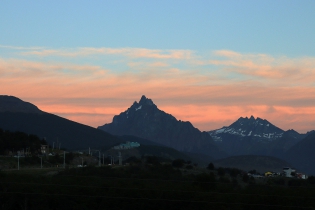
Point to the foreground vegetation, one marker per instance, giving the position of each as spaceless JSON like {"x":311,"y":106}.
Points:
{"x":11,"y":142}
{"x":148,"y":184}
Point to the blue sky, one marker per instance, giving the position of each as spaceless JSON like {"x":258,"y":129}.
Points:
{"x":273,"y":27}
{"x":225,"y":58}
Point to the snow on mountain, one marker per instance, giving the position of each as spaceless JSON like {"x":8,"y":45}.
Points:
{"x":255,"y":128}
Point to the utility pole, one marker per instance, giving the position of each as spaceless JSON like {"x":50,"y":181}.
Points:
{"x":64,"y":159}
{"x":18,"y":160}
{"x":41,"y":162}
{"x":99,"y":158}
{"x":120,"y":158}
{"x":110,"y":159}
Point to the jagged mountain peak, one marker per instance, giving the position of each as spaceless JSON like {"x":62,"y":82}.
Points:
{"x":143,"y":119}
{"x":257,"y":122}
{"x":145,"y":101}
{"x":14,"y":104}
{"x":251,"y":118}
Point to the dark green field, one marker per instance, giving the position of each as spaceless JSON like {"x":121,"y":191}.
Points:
{"x":150,"y":185}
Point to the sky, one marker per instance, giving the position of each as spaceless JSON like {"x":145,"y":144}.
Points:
{"x":207,"y":62}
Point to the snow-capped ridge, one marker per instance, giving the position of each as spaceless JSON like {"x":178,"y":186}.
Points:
{"x":257,"y":128}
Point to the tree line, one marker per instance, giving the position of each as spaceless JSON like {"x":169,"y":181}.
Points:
{"x":11,"y":142}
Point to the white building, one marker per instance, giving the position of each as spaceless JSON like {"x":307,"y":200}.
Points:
{"x":287,"y":171}
{"x":127,"y":145}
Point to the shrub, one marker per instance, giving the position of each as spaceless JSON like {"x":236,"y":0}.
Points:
{"x":210,"y":166}
{"x":178,"y":163}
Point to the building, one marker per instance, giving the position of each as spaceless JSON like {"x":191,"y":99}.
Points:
{"x":44,"y":149}
{"x":127,"y":145}
{"x":288,"y":172}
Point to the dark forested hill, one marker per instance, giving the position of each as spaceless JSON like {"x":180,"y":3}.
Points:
{"x":17,"y":115}
{"x":261,"y":164}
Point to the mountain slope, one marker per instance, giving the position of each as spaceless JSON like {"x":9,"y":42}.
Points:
{"x":261,"y":164}
{"x":17,"y":115}
{"x":13,"y":104}
{"x":145,"y":120}
{"x":302,"y":154}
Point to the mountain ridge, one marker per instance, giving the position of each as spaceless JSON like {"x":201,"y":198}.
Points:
{"x":14,"y":104}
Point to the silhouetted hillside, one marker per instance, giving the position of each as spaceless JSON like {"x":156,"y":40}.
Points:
{"x":302,"y":154}
{"x":250,"y":162}
{"x":17,"y":115}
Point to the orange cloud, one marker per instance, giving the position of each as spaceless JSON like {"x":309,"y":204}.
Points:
{"x":264,"y":66}
{"x":280,"y":90}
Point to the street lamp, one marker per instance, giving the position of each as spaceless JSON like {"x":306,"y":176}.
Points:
{"x":41,"y":162}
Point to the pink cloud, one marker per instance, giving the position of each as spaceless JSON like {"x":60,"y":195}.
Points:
{"x":280,"y":90}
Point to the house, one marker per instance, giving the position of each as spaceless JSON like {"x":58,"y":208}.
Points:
{"x":269,"y":173}
{"x":44,"y":149}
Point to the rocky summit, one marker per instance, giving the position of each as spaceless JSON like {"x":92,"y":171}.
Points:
{"x":145,"y":120}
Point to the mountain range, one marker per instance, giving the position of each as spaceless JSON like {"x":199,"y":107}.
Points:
{"x":143,"y":121}
{"x":246,"y":136}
